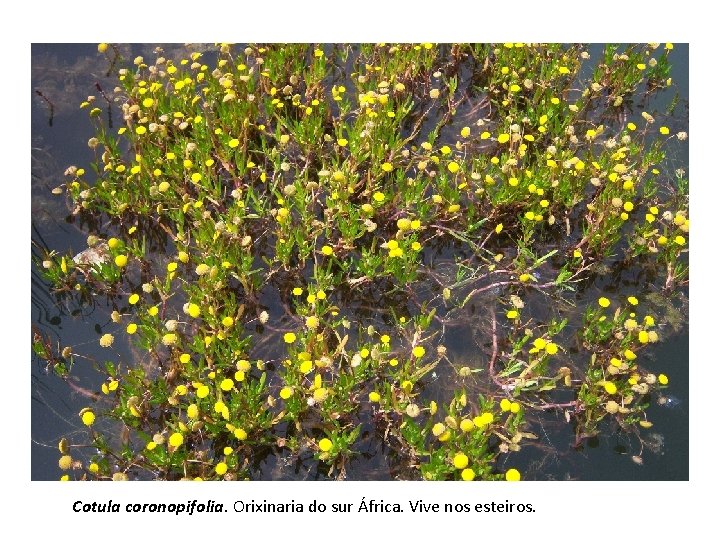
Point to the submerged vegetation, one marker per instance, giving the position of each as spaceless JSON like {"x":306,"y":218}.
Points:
{"x":289,"y":233}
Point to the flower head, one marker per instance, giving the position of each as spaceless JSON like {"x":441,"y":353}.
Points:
{"x":325,"y":445}
{"x":460,"y":460}
{"x":88,"y":418}
{"x":176,"y":439}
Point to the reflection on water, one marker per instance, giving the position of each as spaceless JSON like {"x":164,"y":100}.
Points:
{"x":64,"y":75}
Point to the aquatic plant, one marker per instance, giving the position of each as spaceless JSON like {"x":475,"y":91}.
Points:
{"x":289,"y":232}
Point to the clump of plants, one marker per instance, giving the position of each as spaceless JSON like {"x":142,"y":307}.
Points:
{"x":288,"y":232}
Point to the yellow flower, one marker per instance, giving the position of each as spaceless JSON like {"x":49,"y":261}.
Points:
{"x":131,"y":328}
{"x":306,"y":367}
{"x":286,"y":392}
{"x":65,"y":462}
{"x":468,"y":475}
{"x":312,"y":322}
{"x":227,"y":384}
{"x":466,"y":425}
{"x":240,"y":434}
{"x":465,"y":132}
{"x":664,"y":130}
{"x":192,"y":411}
{"x":539,"y":344}
{"x":403,"y":224}
{"x":121,"y":260}
{"x":290,"y":337}
{"x":514,"y":407}
{"x":512,"y":314}
{"x":193,"y":310}
{"x":453,"y":167}
{"x":679,"y":240}
{"x":505,"y":404}
{"x":176,"y":439}
{"x":551,"y":348}
{"x":327,"y":250}
{"x":387,"y":167}
{"x":234,"y":143}
{"x":221,"y":468}
{"x":512,"y":475}
{"x":419,"y":351}
{"x":663,"y":379}
{"x":610,"y":387}
{"x":503,"y":138}
{"x":604,"y":302}
{"x":374,"y":397}
{"x":325,"y":445}
{"x":107,"y":340}
{"x":484,"y":419}
{"x":460,"y":460}
{"x":243,"y":365}
{"x":134,"y":299}
{"x":227,"y":322}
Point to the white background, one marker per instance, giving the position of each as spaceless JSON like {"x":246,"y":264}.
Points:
{"x":564,"y":509}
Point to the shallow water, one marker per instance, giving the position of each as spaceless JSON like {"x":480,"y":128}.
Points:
{"x":66,"y":75}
